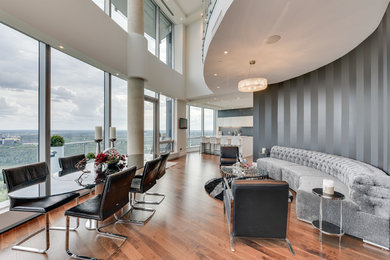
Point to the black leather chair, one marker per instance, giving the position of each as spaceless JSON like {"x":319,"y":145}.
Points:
{"x":114,"y":197}
{"x":229,"y":155}
{"x":163,"y":165}
{"x":140,"y":185}
{"x":257,"y":208}
{"x":160,"y":173}
{"x":68,"y":164}
{"x":25,"y":176}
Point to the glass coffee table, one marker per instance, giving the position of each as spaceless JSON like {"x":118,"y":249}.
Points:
{"x":239,"y":171}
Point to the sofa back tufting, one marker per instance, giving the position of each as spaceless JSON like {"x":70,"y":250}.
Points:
{"x":368,"y":186}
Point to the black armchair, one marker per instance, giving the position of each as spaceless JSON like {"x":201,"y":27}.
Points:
{"x":68,"y":164}
{"x":25,"y":176}
{"x":257,"y":208}
{"x":229,"y":155}
{"x":114,"y":197}
{"x":141,"y":184}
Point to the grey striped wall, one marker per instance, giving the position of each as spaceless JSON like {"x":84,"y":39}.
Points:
{"x":341,"y":108}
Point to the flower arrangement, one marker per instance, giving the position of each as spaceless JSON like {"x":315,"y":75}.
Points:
{"x":109,"y":156}
{"x":112,"y":159}
{"x":245,"y":165}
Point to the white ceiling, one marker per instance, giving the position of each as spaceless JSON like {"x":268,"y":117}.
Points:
{"x":228,"y":101}
{"x":188,"y":6}
{"x":313,"y":34}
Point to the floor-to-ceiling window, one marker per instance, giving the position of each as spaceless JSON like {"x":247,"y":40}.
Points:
{"x":209,"y":122}
{"x":166,"y":27}
{"x":77,"y":104}
{"x":149,"y":129}
{"x":150,"y":25}
{"x":166,"y":111}
{"x":158,"y":26}
{"x":201,"y":123}
{"x":194,"y":131}
{"x":18,"y":101}
{"x":119,"y":112}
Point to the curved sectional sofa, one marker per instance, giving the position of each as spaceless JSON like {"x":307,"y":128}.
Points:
{"x":366,"y":207}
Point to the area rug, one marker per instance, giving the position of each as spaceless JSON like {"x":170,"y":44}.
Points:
{"x":214,"y":188}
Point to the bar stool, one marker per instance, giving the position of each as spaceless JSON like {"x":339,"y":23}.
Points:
{"x":205,"y":146}
{"x":224,"y":141}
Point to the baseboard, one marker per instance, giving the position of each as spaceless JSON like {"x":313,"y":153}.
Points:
{"x":374,"y":244}
{"x":304,"y":220}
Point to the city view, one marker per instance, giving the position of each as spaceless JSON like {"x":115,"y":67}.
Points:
{"x":20,"y":147}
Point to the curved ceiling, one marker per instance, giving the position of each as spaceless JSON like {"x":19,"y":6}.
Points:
{"x":313,"y":34}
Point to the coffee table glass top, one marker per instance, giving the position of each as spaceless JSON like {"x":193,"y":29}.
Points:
{"x":237,"y":170}
{"x":336,"y":196}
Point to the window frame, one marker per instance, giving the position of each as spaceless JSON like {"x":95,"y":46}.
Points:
{"x":188,"y":134}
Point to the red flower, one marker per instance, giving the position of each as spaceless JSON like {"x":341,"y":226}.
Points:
{"x":101,"y":158}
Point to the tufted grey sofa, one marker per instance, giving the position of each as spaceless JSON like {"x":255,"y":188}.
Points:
{"x":366,"y":208}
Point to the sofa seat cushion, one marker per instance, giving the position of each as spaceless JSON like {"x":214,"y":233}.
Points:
{"x":273,"y":166}
{"x":368,"y":186}
{"x":293,"y":174}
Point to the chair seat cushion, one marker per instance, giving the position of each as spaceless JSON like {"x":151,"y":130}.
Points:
{"x":41,"y":205}
{"x":88,"y":209}
{"x":136,"y":184}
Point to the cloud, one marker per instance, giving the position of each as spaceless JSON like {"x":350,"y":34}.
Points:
{"x":6,"y":109}
{"x":62,"y":94}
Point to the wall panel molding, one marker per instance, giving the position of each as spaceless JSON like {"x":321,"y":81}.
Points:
{"x":341,"y":108}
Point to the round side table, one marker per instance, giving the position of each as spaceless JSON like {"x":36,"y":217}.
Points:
{"x":326,"y":227}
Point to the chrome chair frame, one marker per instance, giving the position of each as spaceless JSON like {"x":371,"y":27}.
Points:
{"x":133,"y":207}
{"x":143,"y":201}
{"x":47,"y":228}
{"x":100,"y":232}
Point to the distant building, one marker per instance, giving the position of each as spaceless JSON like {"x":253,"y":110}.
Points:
{"x":9,"y":140}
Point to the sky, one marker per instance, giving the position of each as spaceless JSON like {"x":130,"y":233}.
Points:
{"x":77,"y":92}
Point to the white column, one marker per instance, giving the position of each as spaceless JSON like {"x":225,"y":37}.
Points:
{"x":135,"y":92}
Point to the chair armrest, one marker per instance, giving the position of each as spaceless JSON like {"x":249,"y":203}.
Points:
{"x":228,"y":204}
{"x":228,"y":189}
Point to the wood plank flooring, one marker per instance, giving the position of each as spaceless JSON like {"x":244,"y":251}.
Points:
{"x":188,"y":224}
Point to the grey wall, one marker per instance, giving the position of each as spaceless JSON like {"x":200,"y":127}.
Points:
{"x":235,"y":112}
{"x":341,"y":108}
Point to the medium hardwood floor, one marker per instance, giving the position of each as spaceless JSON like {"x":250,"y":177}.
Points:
{"x":188,"y":224}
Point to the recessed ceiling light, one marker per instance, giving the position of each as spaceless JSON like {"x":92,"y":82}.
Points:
{"x":61,"y":47}
{"x":225,"y":52}
{"x":201,"y":14}
{"x":272,"y":39}
{"x":215,"y":74}
{"x":218,"y":87}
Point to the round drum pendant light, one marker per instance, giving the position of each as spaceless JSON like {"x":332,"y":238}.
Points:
{"x":252,"y":84}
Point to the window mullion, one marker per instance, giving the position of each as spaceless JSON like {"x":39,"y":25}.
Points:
{"x":157,"y":31}
{"x":44,"y":111}
{"x":107,"y":108}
